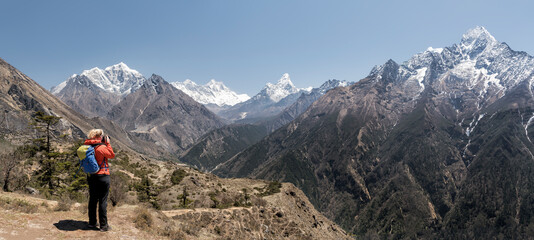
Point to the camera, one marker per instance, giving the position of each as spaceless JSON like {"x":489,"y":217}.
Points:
{"x":105,"y":139}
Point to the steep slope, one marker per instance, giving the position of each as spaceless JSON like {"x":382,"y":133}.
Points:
{"x":21,"y":97}
{"x":221,"y":144}
{"x":95,"y":91}
{"x":160,"y":113}
{"x":438,"y":146}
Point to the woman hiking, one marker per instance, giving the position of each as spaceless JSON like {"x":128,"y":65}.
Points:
{"x":99,"y":181}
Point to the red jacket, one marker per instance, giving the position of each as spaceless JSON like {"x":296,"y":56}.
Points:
{"x":101,"y":152}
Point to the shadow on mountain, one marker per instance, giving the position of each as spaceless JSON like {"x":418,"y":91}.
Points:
{"x":72,"y":225}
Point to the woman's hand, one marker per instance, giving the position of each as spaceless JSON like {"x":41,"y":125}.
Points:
{"x":106,"y":139}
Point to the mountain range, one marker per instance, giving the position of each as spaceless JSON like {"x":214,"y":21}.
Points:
{"x":95,"y":91}
{"x":152,"y":109}
{"x":219,"y":145}
{"x":107,"y":93}
{"x":215,"y":93}
{"x":436,"y":147}
{"x":270,"y":101}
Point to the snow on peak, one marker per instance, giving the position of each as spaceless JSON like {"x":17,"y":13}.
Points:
{"x":435,"y":50}
{"x":283,"y":88}
{"x":212,"y":92}
{"x":118,"y":78}
{"x":333,"y":83}
{"x":216,"y":86}
{"x":119,"y":67}
{"x":477,"y":40}
{"x":478,"y":33}
{"x":189,"y":82}
{"x":285,"y":79}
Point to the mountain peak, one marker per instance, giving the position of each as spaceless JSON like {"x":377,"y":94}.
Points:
{"x":281,"y":89}
{"x":156,"y":78}
{"x":118,"y":66}
{"x":477,"y":32}
{"x":283,"y":82}
{"x":189,"y":82}
{"x":118,"y":78}
{"x":477,"y":37}
{"x":217,"y":85}
{"x":285,"y":79}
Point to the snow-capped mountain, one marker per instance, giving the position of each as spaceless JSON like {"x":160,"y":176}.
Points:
{"x":333,"y":83}
{"x":479,"y":64}
{"x":270,"y":101}
{"x":95,"y":91}
{"x":211,"y":93}
{"x":283,"y":88}
{"x":117,"y":79}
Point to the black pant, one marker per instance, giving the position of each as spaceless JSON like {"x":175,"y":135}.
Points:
{"x":98,"y":193}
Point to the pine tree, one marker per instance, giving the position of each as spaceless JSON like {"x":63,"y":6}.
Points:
{"x":43,"y":123}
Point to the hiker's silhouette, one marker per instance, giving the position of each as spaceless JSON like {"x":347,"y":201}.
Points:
{"x":72,"y":225}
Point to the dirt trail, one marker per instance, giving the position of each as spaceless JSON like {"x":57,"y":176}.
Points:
{"x":49,"y":224}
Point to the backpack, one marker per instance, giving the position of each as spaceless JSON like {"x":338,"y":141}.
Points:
{"x":88,"y":162}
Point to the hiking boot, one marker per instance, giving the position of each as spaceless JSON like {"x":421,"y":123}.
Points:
{"x":92,"y":226}
{"x":105,"y":228}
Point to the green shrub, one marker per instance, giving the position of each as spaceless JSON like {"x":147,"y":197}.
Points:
{"x":177,"y":176}
{"x":272,"y":188}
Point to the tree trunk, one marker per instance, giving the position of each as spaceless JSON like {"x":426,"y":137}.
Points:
{"x":48,"y":140}
{"x":6,"y":180}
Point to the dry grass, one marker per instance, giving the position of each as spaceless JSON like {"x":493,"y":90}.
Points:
{"x":63,"y":205}
{"x":18,"y":205}
{"x":143,"y":219}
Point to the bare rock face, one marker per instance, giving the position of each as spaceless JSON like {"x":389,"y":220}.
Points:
{"x":87,"y":98}
{"x":160,"y":113}
{"x":435,"y":147}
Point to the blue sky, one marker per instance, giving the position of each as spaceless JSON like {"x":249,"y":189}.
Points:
{"x":245,"y":43}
